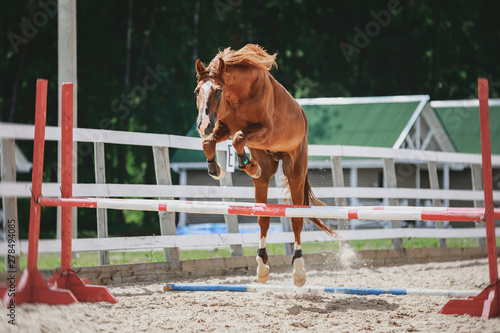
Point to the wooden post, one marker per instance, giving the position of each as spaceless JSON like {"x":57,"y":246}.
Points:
{"x":230,"y":220}
{"x":477,"y":185}
{"x":286,"y":222}
{"x":391,"y":182}
{"x":66,"y":72}
{"x":167,"y":220}
{"x":434,"y":182}
{"x":338,"y":181}
{"x":102,"y":213}
{"x":9,"y":204}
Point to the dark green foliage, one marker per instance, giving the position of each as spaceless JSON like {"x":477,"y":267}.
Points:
{"x":326,"y":48}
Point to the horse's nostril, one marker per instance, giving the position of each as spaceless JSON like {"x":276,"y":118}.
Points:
{"x":208,"y":129}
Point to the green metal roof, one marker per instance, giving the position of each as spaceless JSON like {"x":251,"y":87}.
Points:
{"x":375,"y":125}
{"x":461,"y":121}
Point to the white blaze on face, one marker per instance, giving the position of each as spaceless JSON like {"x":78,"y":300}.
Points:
{"x":205,"y":120}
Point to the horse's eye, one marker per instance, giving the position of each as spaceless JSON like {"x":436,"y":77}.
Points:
{"x":218,"y":93}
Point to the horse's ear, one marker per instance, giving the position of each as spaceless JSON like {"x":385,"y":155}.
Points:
{"x":200,"y":69}
{"x":222,"y":66}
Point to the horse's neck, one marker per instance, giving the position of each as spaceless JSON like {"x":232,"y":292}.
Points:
{"x":241,"y":78}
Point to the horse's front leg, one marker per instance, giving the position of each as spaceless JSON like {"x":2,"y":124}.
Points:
{"x":220,"y":134}
{"x":269,"y":167}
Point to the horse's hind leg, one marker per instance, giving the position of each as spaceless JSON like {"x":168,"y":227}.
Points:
{"x":269,"y":167}
{"x":296,"y":174}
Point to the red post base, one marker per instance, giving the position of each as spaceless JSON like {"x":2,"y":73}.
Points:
{"x":81,"y":288}
{"x":32,"y":288}
{"x":485,"y":305}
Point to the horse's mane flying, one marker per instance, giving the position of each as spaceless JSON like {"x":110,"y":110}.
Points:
{"x":249,"y":55}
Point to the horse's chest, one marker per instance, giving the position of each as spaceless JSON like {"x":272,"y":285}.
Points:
{"x":242,"y":124}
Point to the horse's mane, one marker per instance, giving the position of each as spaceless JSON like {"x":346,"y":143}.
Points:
{"x":250,"y":55}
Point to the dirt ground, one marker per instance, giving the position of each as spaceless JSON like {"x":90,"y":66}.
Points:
{"x":147,"y":308}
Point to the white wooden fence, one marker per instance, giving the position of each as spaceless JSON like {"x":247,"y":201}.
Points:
{"x":161,"y":144}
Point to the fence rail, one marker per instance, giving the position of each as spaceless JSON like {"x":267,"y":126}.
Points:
{"x":53,"y":133}
{"x":22,"y":190}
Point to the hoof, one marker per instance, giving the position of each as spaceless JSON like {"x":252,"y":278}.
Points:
{"x":221,"y":174}
{"x":300,"y":282}
{"x":299,"y":272}
{"x":262,"y":271}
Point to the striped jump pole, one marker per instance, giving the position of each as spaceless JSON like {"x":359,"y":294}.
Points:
{"x":316,"y":289}
{"x":256,"y":209}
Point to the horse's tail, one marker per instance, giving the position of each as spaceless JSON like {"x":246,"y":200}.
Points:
{"x":309,"y":197}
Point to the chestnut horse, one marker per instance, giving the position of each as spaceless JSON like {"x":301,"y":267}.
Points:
{"x":238,"y":98}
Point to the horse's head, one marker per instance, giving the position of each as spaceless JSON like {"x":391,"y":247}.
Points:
{"x":209,"y":96}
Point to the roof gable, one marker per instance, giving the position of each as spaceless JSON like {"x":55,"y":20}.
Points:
{"x":461,"y":121}
{"x":376,"y":125}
